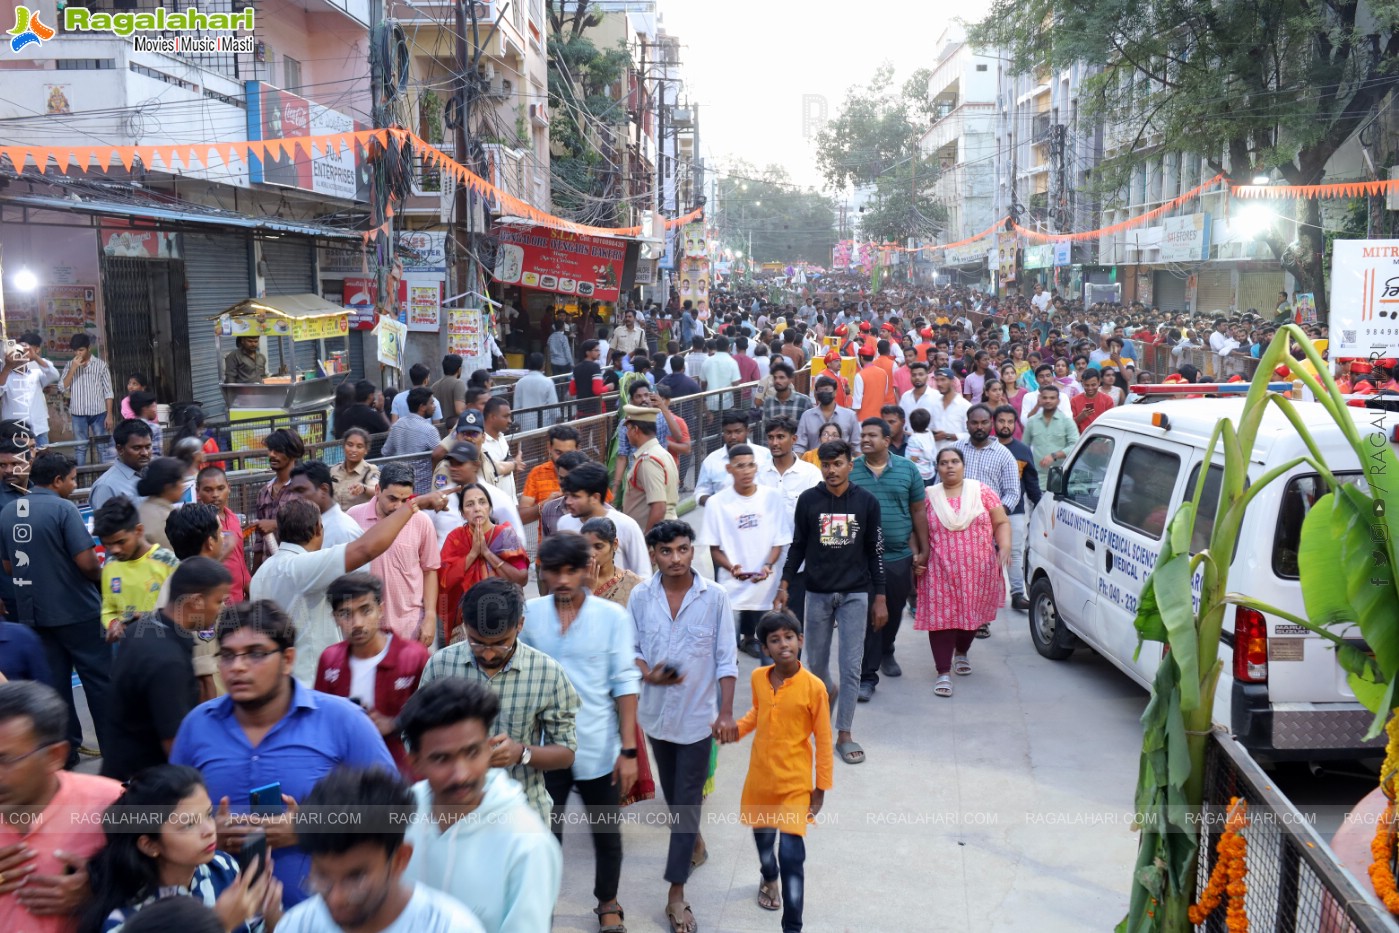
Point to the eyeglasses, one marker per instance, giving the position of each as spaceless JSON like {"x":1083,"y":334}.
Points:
{"x":13,"y":761}
{"x":478,"y":648}
{"x":253,"y":656}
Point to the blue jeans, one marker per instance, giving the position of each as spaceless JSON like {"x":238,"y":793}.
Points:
{"x":789,"y":861}
{"x":88,"y":426}
{"x":825,"y":613}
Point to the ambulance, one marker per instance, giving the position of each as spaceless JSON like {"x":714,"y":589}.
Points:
{"x":1095,"y":536}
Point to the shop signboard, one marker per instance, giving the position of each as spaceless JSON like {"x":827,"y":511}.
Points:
{"x":1364,"y":298}
{"x":139,"y":244}
{"x":423,"y":250}
{"x":1039,"y":256}
{"x":1185,"y":239}
{"x":557,"y":261}
{"x":277,"y":114}
{"x":321,"y":327}
{"x":1063,"y":253}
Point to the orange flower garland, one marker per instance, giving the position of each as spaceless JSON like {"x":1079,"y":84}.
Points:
{"x":1382,"y":847}
{"x":1228,"y":874}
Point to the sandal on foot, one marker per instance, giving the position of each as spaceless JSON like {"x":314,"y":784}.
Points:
{"x":699,"y":858}
{"x":960,"y":665}
{"x":681,"y":917}
{"x":850,"y":752}
{"x":770,"y":894}
{"x":613,"y":908}
{"x":984,"y":631}
{"x":943,"y":687}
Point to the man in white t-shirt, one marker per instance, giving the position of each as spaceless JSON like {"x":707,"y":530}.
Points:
{"x":1041,"y":299}
{"x":357,"y":866}
{"x":585,"y":492}
{"x":746,"y":526}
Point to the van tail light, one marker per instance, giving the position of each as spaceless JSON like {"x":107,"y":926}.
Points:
{"x":1250,"y":647}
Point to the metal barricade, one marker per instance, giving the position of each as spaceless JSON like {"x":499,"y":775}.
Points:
{"x":1295,"y":884}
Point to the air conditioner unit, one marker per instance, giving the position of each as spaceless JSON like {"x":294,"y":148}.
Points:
{"x":486,"y":71}
{"x":539,"y":114}
{"x":499,"y":89}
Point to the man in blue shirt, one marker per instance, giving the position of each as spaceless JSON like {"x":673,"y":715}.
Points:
{"x":134,"y":443}
{"x":270,"y":729}
{"x":22,"y":654}
{"x":592,"y":640}
{"x":51,"y":560}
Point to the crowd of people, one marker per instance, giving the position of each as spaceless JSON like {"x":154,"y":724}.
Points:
{"x":361,"y":641}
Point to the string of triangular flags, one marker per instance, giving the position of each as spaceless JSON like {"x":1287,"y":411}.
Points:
{"x":363,"y":144}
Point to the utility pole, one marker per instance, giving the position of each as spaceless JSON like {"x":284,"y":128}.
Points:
{"x":379,"y":77}
{"x":461,"y":95}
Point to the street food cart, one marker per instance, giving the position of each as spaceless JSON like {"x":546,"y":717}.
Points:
{"x":305,"y":396}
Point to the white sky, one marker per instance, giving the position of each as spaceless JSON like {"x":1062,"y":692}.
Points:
{"x":750,"y":64}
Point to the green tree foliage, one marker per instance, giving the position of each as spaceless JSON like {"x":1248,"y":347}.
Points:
{"x":1250,"y":87}
{"x":787,"y":223}
{"x":874,"y":141}
{"x":585,"y":169}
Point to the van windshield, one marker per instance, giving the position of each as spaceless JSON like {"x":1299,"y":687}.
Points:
{"x":1297,"y":500}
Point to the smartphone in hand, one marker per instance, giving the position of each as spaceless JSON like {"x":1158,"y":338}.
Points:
{"x":254,"y":850}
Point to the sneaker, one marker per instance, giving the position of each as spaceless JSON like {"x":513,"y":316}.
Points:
{"x":749,"y":646}
{"x":984,"y":631}
{"x":890,"y":668}
{"x":866,"y":692}
{"x":1019,"y":603}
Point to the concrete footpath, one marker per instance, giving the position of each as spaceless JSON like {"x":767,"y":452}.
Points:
{"x":1003,"y":808}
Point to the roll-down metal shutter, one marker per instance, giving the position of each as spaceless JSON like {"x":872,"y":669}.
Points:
{"x":1168,"y":292}
{"x":1259,"y":290}
{"x":1215,"y":291}
{"x":291,"y":270}
{"x":216,"y":267}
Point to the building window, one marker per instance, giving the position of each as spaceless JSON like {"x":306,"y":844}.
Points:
{"x":980,"y":67}
{"x":291,"y":73}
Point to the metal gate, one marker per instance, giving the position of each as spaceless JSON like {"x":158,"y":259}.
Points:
{"x":1259,"y":291}
{"x":216,"y":265}
{"x":146,"y":324}
{"x":1215,"y":291}
{"x":1169,"y":291}
{"x":290,"y":269}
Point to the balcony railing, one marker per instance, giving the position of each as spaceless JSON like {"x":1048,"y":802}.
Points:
{"x":230,"y":64}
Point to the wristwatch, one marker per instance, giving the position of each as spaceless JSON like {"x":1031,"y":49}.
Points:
{"x":628,"y":753}
{"x":525,"y":755}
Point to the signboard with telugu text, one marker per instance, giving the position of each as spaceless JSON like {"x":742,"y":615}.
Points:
{"x":557,"y":261}
{"x":1185,"y":239}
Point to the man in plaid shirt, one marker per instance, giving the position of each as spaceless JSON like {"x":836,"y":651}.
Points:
{"x":784,"y":400}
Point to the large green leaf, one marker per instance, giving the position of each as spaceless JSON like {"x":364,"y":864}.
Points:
{"x":1165,"y":613}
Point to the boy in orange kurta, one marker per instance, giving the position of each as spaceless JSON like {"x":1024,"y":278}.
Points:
{"x":790,"y":711}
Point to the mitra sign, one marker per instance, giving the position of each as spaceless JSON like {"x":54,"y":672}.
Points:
{"x":1364,"y":297}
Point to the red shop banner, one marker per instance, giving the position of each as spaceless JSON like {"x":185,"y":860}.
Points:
{"x":556,"y":261}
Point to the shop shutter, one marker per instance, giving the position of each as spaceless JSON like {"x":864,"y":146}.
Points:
{"x":1259,"y":290}
{"x":1215,"y":291}
{"x":1168,"y":291}
{"x":291,"y":270}
{"x":357,"y":339}
{"x":216,"y":268}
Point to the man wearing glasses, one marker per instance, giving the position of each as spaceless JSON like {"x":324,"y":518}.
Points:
{"x":271,"y":733}
{"x":535,"y":730}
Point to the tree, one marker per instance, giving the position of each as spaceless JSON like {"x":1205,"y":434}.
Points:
{"x":874,"y":141}
{"x":1250,"y":87}
{"x":786,"y":223}
{"x":587,"y":152}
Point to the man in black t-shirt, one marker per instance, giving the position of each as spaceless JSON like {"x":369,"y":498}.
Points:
{"x":587,"y":379}
{"x":153,"y":682}
{"x":364,"y":416}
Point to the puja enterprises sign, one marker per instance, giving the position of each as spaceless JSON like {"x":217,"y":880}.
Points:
{"x":160,"y":20}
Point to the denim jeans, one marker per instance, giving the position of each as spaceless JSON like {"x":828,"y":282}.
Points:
{"x":86,"y":426}
{"x":1018,"y":525}
{"x":825,"y":613}
{"x":789,"y":861}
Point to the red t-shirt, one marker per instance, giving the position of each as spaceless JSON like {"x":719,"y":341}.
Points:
{"x":1086,"y":410}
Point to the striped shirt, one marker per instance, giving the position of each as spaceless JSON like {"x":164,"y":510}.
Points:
{"x":91,"y":388}
{"x":994,"y":466}
{"x":538,"y":706}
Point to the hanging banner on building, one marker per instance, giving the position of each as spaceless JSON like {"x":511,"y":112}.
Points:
{"x":392,"y":336}
{"x":694,"y":284}
{"x":1063,"y":253}
{"x":67,"y":310}
{"x":557,"y":261}
{"x":696,"y":246}
{"x":1185,"y":239}
{"x":277,"y":114}
{"x":840,"y":256}
{"x":1364,"y":297}
{"x":1007,"y":246}
{"x":322,"y":327}
{"x":1144,"y":286}
{"x":423,"y":304}
{"x":139,"y":244}
{"x":466,"y":337}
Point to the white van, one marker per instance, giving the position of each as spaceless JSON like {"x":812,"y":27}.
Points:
{"x":1096,"y":534}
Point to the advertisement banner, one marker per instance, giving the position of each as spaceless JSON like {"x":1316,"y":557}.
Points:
{"x":357,"y":295}
{"x":1039,"y":256}
{"x":694,"y":284}
{"x":1364,"y":297}
{"x":695,"y":245}
{"x":466,"y":337}
{"x":392,"y":336}
{"x":424,"y":303}
{"x":423,"y":251}
{"x":1007,"y":246}
{"x":277,"y":114}
{"x":323,"y":327}
{"x":1063,"y":253}
{"x":1304,"y":308}
{"x":67,"y":310}
{"x":1185,"y":239}
{"x":556,"y":261}
{"x":139,"y":244}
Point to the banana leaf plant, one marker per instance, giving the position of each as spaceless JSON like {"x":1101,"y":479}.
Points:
{"x":1347,"y":564}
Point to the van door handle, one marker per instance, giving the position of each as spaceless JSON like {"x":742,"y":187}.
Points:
{"x":1090,"y":545}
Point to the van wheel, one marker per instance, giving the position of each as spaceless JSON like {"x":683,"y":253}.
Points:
{"x":1052,"y":639}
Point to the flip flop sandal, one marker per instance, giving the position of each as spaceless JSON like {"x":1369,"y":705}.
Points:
{"x":675,"y":912}
{"x":984,"y":631}
{"x":943,"y":687}
{"x":772,"y":891}
{"x":960,"y":665}
{"x":614,"y":927}
{"x":850,"y":752}
{"x":697,"y":860}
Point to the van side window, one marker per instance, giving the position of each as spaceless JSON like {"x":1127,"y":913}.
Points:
{"x":1209,"y":504}
{"x":1083,"y":480}
{"x":1145,"y":485}
{"x":1297,"y":500}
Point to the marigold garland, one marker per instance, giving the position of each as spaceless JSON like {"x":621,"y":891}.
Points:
{"x":1228,"y":874}
{"x":1382,"y":847}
